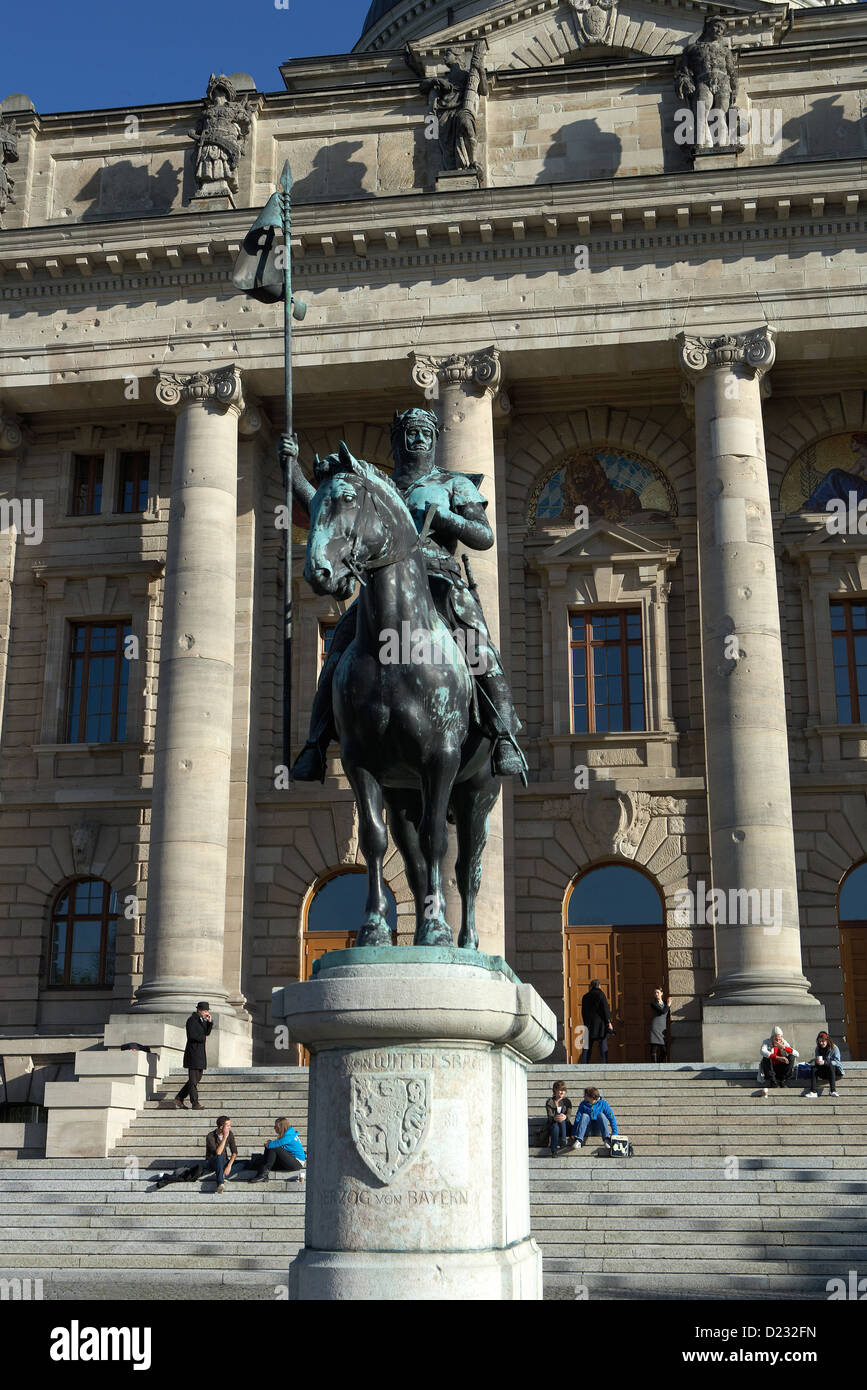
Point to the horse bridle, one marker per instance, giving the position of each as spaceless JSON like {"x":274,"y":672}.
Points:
{"x":382,"y":561}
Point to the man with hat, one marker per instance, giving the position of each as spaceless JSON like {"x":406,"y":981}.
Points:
{"x":199,"y":1026}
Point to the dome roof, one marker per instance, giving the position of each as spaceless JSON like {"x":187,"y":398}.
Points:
{"x":377,"y":9}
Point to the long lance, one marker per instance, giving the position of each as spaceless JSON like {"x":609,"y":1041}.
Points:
{"x":289,"y":467}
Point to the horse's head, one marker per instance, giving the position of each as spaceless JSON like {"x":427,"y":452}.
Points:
{"x":358,"y":519}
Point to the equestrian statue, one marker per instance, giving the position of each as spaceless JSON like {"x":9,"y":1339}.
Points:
{"x":425,"y":730}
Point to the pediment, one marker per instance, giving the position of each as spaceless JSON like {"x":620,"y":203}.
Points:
{"x":604,"y":540}
{"x":559,"y":32}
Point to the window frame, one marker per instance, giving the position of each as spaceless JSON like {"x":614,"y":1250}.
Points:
{"x":142,"y":474}
{"x":846,"y":605}
{"x":624,"y":612}
{"x":91,"y":459}
{"x":106,"y":917}
{"x":123,"y":626}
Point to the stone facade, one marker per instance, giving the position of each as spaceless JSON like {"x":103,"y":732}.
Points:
{"x":594,"y":242}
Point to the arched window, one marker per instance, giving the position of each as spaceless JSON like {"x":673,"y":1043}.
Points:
{"x":616,"y":895}
{"x":853,"y":895}
{"x":828,"y":469}
{"x":83,"y":935}
{"x":609,"y":482}
{"x":338,"y":903}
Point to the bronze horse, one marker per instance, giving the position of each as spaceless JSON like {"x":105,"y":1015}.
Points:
{"x":407,"y":736}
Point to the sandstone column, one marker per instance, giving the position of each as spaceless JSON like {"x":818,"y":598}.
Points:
{"x":759,"y":980}
{"x":186,"y":898}
{"x":462,"y":388}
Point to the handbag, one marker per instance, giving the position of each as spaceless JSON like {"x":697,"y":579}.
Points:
{"x":621,"y":1147}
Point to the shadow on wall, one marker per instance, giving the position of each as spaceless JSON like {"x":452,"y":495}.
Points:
{"x":581,"y":150}
{"x":335,"y":175}
{"x":117,"y":190}
{"x":822,"y":132}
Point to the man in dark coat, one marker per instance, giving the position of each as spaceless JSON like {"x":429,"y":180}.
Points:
{"x":199,"y":1026}
{"x":596,"y":1017}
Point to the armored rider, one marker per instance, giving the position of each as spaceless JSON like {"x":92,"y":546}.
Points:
{"x":447,"y":510}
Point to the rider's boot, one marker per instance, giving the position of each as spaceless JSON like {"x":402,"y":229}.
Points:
{"x":310,"y":765}
{"x":507,"y":760}
{"x":500,"y":721}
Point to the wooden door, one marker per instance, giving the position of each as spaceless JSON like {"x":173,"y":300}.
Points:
{"x":317,"y":943}
{"x":629,"y":963}
{"x":588,"y":957}
{"x":853,"y":958}
{"x":639,"y":969}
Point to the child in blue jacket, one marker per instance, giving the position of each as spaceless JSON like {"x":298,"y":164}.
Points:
{"x":593,"y":1114}
{"x":286,"y":1152}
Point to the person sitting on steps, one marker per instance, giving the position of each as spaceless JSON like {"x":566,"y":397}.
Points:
{"x":457,"y":510}
{"x":558,"y":1107}
{"x":221,"y":1151}
{"x":594,"y":1115}
{"x":777,"y":1064}
{"x":285,"y":1153}
{"x":825,"y":1065}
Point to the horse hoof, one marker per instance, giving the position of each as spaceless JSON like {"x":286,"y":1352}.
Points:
{"x":434,"y":934}
{"x":374,"y":932}
{"x":467,"y":942}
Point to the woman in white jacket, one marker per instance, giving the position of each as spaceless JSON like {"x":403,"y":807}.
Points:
{"x":777,"y":1062}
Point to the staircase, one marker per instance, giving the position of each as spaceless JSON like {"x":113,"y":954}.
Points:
{"x":728,"y":1195}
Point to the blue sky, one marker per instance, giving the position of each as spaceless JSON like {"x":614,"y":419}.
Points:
{"x":97,"y":53}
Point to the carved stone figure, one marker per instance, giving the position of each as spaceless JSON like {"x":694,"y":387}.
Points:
{"x":84,"y":837}
{"x":221,"y":137}
{"x":455,"y":103}
{"x":706,"y":76}
{"x":8,"y":155}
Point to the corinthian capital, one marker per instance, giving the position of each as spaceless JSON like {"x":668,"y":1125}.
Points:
{"x":754,"y":351}
{"x":222,"y":384}
{"x":474,"y":369}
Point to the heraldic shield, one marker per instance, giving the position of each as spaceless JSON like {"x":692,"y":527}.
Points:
{"x":389,"y":1119}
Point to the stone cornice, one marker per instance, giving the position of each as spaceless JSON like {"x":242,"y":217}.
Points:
{"x":774,"y":205}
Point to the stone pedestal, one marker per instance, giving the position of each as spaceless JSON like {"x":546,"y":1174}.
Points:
{"x":752,"y":846}
{"x":457,"y":180}
{"x":418,"y":1167}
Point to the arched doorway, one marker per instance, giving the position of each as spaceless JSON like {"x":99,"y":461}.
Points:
{"x":852,"y":917}
{"x":335,"y":904}
{"x":614,"y":933}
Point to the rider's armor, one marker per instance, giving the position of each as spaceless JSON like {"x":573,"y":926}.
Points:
{"x":459,"y":608}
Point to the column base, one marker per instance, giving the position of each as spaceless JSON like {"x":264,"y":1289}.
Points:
{"x":418,"y":1170}
{"x":735,"y":1032}
{"x":489,"y":1275}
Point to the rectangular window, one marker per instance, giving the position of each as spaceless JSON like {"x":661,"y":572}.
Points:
{"x":607,"y":669}
{"x":849,"y":638}
{"x":132,"y":482}
{"x":86,"y":484}
{"x":98,"y":684}
{"x":326,"y":632}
